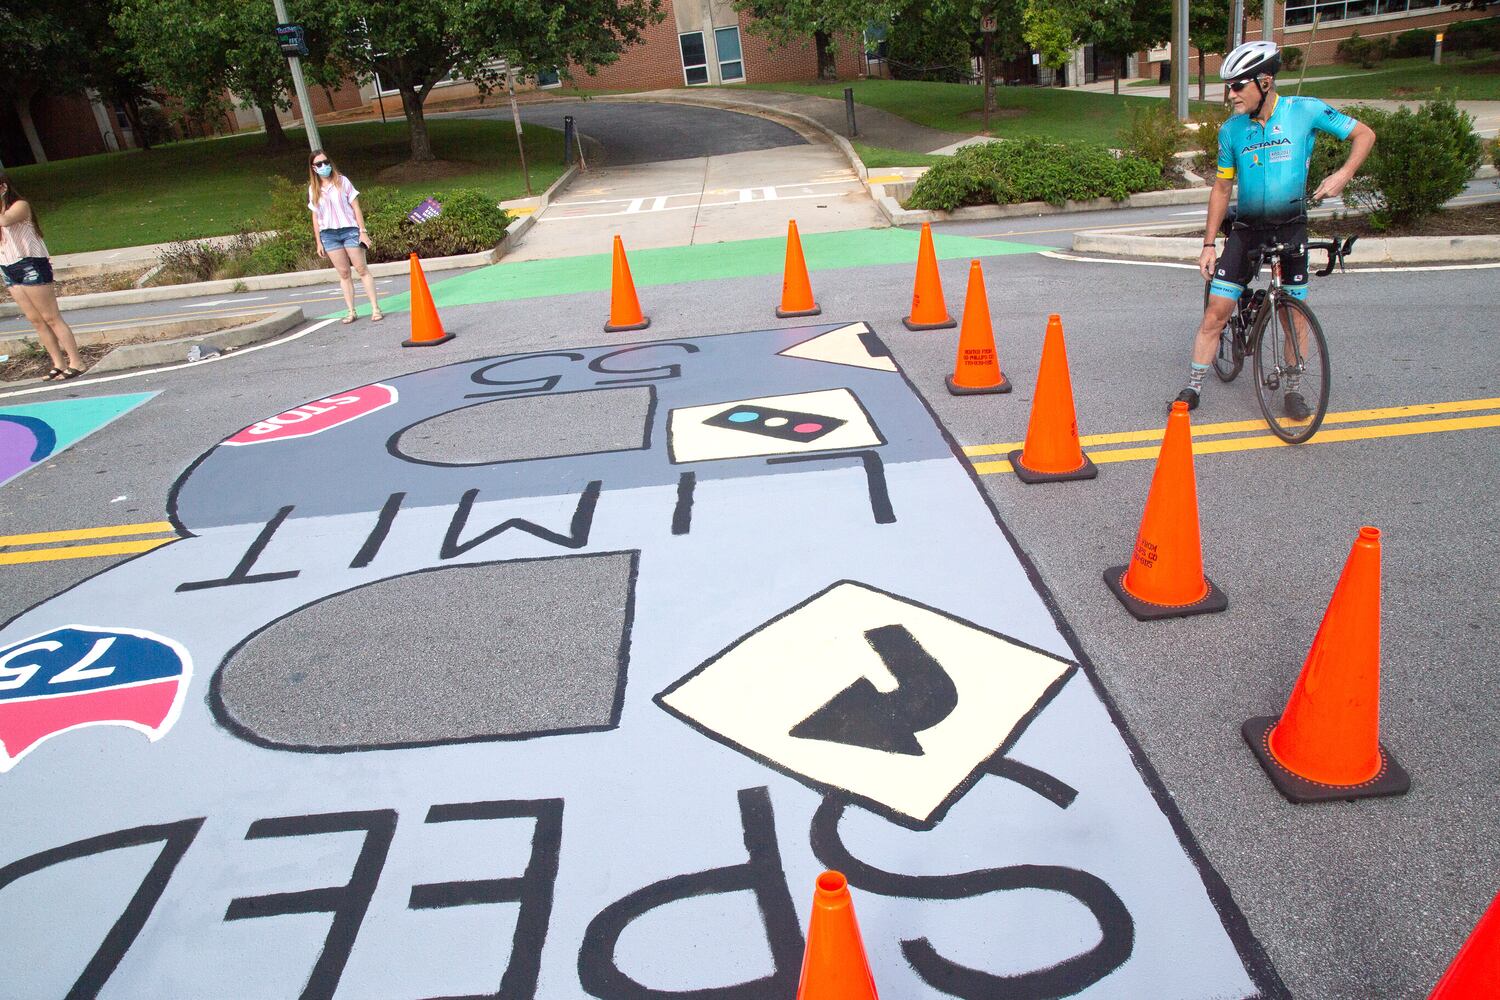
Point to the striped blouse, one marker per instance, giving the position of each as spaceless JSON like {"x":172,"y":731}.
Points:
{"x":334,"y":206}
{"x":20,"y":240}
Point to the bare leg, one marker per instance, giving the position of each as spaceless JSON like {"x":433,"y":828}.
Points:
{"x":357,"y":259}
{"x":45,"y":297}
{"x":44,"y":334}
{"x":340,"y":261}
{"x":1206,"y":344}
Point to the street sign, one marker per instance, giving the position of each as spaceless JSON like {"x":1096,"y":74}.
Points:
{"x":291,"y":40}
{"x":988,"y":24}
{"x":430,"y":208}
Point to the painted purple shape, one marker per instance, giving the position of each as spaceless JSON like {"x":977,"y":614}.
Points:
{"x":18,"y":448}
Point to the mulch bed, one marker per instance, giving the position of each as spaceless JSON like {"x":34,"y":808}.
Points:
{"x":1469,"y":220}
{"x":24,"y":366}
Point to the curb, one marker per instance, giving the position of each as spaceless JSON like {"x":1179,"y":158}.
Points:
{"x":1146,"y":199}
{"x":296,"y":279}
{"x":168,"y":351}
{"x":1392,"y":250}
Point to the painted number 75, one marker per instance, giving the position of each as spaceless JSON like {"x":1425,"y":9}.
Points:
{"x":83,"y":670}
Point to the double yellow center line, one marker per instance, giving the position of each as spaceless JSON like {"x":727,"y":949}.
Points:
{"x":1257,"y":435}
{"x":42,"y":546}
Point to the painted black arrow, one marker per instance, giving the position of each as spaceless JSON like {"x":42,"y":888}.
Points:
{"x":861,"y":715}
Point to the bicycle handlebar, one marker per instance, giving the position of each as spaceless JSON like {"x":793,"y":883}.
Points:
{"x":1337,"y":251}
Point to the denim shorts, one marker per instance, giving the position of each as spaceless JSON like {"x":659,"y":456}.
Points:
{"x":27,"y":271}
{"x":339,"y":239}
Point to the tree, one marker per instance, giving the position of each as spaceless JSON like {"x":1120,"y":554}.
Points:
{"x":113,"y":68}
{"x":1121,"y":27}
{"x":412,"y":44}
{"x":1053,"y":29}
{"x":39,"y":54}
{"x":1208,"y":31}
{"x":784,"y":20}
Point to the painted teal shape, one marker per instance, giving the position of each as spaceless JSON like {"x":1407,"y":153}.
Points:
{"x":66,"y":421}
{"x":527,"y":279}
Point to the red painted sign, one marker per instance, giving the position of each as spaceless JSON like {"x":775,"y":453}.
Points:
{"x":319,"y":415}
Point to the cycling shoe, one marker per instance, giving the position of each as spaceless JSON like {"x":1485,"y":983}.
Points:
{"x":1296,"y":407}
{"x":1187,"y":396}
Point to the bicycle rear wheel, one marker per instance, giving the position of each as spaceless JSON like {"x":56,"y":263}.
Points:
{"x":1291,"y":365}
{"x":1228,"y":360}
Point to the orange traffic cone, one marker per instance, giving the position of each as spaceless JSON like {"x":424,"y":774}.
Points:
{"x":1052,"y":453}
{"x":976,"y":369}
{"x":796,"y":289}
{"x":1327,"y":743}
{"x":426,"y":328}
{"x":834,"y":966}
{"x":928,"y":310}
{"x":624,"y":308}
{"x":1475,"y":972}
{"x":1165,"y":576}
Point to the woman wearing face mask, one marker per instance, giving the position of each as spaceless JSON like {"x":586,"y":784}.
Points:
{"x":339,"y":229}
{"x":27,"y":272}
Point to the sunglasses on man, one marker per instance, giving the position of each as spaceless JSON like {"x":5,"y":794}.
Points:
{"x":1240,"y":85}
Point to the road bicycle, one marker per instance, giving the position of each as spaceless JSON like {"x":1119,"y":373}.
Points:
{"x":1285,"y":341}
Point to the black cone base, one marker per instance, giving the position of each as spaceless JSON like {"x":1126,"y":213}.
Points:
{"x":427,"y":343}
{"x":962,"y":390}
{"x":1392,"y":778}
{"x":1088,"y":470}
{"x":816,"y":310}
{"x":612,"y":328}
{"x":1215,"y":600}
{"x":946,"y":324}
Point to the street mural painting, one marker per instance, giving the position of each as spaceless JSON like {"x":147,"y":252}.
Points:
{"x":35,"y":432}
{"x":564,"y":674}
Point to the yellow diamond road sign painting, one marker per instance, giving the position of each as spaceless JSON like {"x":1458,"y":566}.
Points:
{"x":872,"y":694}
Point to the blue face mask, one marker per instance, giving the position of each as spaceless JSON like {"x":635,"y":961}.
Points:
{"x":324,"y":169}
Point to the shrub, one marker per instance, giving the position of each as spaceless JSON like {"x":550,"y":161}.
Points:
{"x":1205,"y":162}
{"x":1031,"y":169}
{"x":1416,"y":42}
{"x":1154,"y":134}
{"x":1467,"y":37}
{"x":1291,"y":57}
{"x":927,"y":43}
{"x":1365,"y":52}
{"x":1420,"y":160}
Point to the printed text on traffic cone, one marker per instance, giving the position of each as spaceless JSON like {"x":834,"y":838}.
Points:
{"x":426,"y":328}
{"x":1052,"y":452}
{"x":834,"y":966}
{"x":624,"y":308}
{"x":1474,"y":973}
{"x":1326,"y":745}
{"x":1164,"y":578}
{"x":976,"y":369}
{"x":928,"y":310}
{"x":796,"y":289}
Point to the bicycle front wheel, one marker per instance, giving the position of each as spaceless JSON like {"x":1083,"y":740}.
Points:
{"x":1229,"y":359}
{"x":1291,"y":368}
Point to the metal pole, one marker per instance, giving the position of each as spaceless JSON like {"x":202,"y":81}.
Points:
{"x":1267,"y":20}
{"x":1437,"y":49}
{"x":849,"y":111}
{"x":1180,"y":59}
{"x":314,"y":141}
{"x":988,"y":81}
{"x":568,"y":133}
{"x":1236,"y":24}
{"x":515,"y":114}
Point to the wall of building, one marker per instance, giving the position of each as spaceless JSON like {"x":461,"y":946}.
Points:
{"x":67,"y":126}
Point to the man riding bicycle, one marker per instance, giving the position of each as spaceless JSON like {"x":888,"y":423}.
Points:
{"x":1265,"y":147}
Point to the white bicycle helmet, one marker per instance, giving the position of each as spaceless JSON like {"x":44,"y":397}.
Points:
{"x":1250,"y":60}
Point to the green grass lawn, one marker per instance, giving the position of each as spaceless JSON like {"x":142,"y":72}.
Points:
{"x":879,"y":156}
{"x":1473,"y":79}
{"x":210,"y":187}
{"x":1049,"y":112}
{"x":1288,"y":77}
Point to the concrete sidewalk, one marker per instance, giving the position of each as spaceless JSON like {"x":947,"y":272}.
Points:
{"x":875,"y":127}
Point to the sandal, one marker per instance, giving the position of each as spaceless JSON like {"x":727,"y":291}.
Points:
{"x":348,"y":318}
{"x":55,"y":375}
{"x":71,"y":372}
{"x":376,"y":316}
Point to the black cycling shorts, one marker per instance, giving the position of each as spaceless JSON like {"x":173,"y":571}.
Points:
{"x":1232,"y":272}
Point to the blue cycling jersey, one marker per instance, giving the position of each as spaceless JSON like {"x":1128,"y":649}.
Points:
{"x":1270,"y":160}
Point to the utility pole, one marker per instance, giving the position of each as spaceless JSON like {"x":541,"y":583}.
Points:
{"x":988,"y":24}
{"x":515,"y":114}
{"x":314,"y":141}
{"x":1267,"y":14}
{"x":1180,"y":59}
{"x":1236,"y":24}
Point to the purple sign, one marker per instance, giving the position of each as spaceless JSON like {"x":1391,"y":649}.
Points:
{"x":429,"y":209}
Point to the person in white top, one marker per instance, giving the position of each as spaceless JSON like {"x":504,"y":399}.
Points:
{"x":339,"y":229}
{"x":27,"y":271}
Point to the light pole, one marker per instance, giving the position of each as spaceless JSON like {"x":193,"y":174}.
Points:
{"x":1180,"y":59}
{"x":1267,"y":12}
{"x":314,"y":142}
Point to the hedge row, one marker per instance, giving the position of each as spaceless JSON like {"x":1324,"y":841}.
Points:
{"x":1030,"y":169}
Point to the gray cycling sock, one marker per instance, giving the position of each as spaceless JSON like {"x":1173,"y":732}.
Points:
{"x":1196,"y":374}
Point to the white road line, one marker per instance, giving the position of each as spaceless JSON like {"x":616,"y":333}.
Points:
{"x":636,"y":203}
{"x":659,"y":204}
{"x":549,"y":217}
{"x":1059,"y":255}
{"x":168,"y":368}
{"x":224,"y":302}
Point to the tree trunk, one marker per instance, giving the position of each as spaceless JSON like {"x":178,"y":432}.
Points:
{"x":275,"y":135}
{"x":137,"y":130}
{"x":23,"y":112}
{"x":421,"y":145}
{"x":1119,"y":62}
{"x":827,"y":64}
{"x":1200,"y":75}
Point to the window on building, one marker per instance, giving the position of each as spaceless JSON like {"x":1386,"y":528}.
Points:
{"x":731,"y":62}
{"x":694,"y":58}
{"x":547,"y":79}
{"x":1300,"y":12}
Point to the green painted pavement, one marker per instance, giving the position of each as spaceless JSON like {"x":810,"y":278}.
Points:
{"x":703,"y":262}
{"x":72,"y":419}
